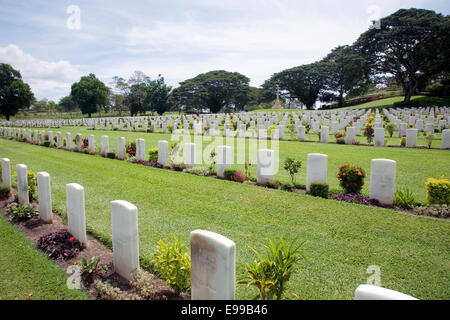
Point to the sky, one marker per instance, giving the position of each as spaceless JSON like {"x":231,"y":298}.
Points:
{"x":55,"y":42}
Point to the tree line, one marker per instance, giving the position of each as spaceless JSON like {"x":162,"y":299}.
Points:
{"x":410,"y":48}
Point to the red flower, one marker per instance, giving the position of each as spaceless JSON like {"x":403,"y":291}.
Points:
{"x":359,"y":174}
{"x":71,"y":239}
{"x":363,"y":183}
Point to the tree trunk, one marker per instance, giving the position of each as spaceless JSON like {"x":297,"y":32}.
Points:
{"x":89,"y":115}
{"x":7,"y":117}
{"x":410,"y":89}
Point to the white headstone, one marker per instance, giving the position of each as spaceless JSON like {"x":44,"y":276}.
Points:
{"x":140,"y":150}
{"x":223,"y":159}
{"x":213,"y":266}
{"x":76,"y":217}
{"x":411,"y":138}
{"x":316,"y":169}
{"x":382,"y":180}
{"x":163,"y":152}
{"x":266,"y":165}
{"x":44,"y":197}
{"x":371,"y":292}
{"x":324,"y":134}
{"x":446,"y":139}
{"x":22,"y":184}
{"x":68,"y":140}
{"x":379,"y":137}
{"x":121,"y":148}
{"x":125,"y":237}
{"x":189,"y":155}
{"x":105,"y":145}
{"x":91,"y":143}
{"x":6,"y":172}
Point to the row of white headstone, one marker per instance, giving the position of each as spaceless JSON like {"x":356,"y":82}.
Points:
{"x":213,"y":256}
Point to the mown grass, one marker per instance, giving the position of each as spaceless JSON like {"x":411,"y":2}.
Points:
{"x":414,"y":166}
{"x":423,"y":101}
{"x":25,"y":273}
{"x":342,"y":239}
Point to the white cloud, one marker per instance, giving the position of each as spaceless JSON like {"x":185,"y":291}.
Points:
{"x":46,"y":78}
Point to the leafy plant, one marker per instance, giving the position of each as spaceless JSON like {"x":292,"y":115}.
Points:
{"x":173,"y":264}
{"x":88,"y":268}
{"x":197,"y":171}
{"x":272,"y":184}
{"x":212,"y":162}
{"x":60,"y":244}
{"x":153,"y":154}
{"x":437,"y":210}
{"x":292,"y":167}
{"x":22,"y":213}
{"x":271,"y":273}
{"x":131,"y":148}
{"x":247,"y":167}
{"x":404,"y":198}
{"x":429,"y":139}
{"x":178,"y":166}
{"x":109,"y":292}
{"x":369,"y":133}
{"x":351,"y":178}
{"x":403,"y":141}
{"x":438,"y":191}
{"x":357,"y":198}
{"x":319,"y":189}
{"x":390,"y":128}
{"x":228,"y":173}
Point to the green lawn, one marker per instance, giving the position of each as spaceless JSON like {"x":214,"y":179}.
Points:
{"x":424,"y":101}
{"x":24,"y":270}
{"x":414,"y":166}
{"x":342,"y":239}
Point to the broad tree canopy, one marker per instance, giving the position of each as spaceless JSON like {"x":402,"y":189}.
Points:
{"x":411,"y":44}
{"x":90,"y":94}
{"x":14,"y":93}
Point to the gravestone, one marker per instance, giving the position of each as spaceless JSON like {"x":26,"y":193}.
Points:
{"x":125,"y":237}
{"x":350,"y":134}
{"x":6,"y":172}
{"x":301,"y":130}
{"x":265,"y":165}
{"x":382,"y":180}
{"x":68,"y":141}
{"x":379,"y":137}
{"x":223,"y":159}
{"x":316,"y":169}
{"x":189,"y":155}
{"x":22,"y":184}
{"x":105,"y":145}
{"x":446,"y":139}
{"x":121,"y":148}
{"x":411,"y":138}
{"x":163,"y":152}
{"x":324,"y":134}
{"x":44,"y":197}
{"x":91,"y":143}
{"x":371,"y":292}
{"x":76,"y":217}
{"x":140,"y":150}
{"x":213,"y":266}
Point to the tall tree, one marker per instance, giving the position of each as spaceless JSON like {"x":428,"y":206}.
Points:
{"x":349,"y":72}
{"x":90,"y":94}
{"x":14,"y":93}
{"x":411,"y":44}
{"x":304,"y":83}
{"x":215,"y":90}
{"x":157,"y":95}
{"x":67,"y":104}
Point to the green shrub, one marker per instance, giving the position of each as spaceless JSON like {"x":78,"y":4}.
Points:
{"x":272,"y":184}
{"x":271,"y":273}
{"x":4,"y":191}
{"x":111,"y":155}
{"x":153,"y":154}
{"x":178,"y":166}
{"x":22,"y":213}
{"x":45,"y":144}
{"x":197,"y":171}
{"x":438,"y":191}
{"x":292,"y":167}
{"x":429,"y":139}
{"x":319,"y":189}
{"x":228,"y":173}
{"x":437,"y":210}
{"x":369,"y":133}
{"x":32,"y":183}
{"x":404,"y":198}
{"x":173,"y":264}
{"x":403,"y":141}
{"x":351,"y":178}
{"x":390,"y":128}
